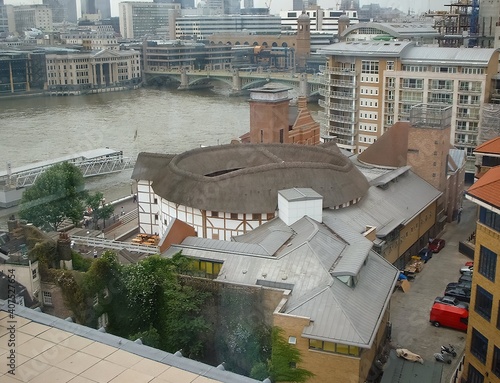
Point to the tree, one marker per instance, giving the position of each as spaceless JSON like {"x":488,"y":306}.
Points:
{"x":284,"y":360}
{"x":99,"y":209}
{"x":56,"y":195}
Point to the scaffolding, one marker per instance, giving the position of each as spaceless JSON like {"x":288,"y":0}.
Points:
{"x":460,"y":25}
{"x":490,"y":123}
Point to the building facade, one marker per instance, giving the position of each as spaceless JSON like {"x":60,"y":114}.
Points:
{"x":33,"y":16}
{"x":84,"y":72}
{"x":7,"y":20}
{"x":372,"y":85}
{"x":202,"y":27}
{"x":482,"y":352}
{"x":325,"y":20}
{"x":139,"y":19}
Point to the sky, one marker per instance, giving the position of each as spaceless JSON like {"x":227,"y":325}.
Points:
{"x":278,"y":5}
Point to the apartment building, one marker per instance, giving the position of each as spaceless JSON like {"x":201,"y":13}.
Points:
{"x":139,"y":19}
{"x":7,"y":24}
{"x":371,"y":85}
{"x":482,"y":353}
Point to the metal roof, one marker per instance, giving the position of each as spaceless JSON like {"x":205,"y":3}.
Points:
{"x":457,"y":159}
{"x":306,"y":264}
{"x":399,"y":370}
{"x":299,"y":194}
{"x":367,"y":48}
{"x":386,"y":208}
{"x":447,"y":56}
{"x":403,"y":30}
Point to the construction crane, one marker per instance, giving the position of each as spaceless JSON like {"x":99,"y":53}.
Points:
{"x":268,"y":4}
{"x":474,"y":23}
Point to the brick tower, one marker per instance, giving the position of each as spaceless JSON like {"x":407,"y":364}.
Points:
{"x":269,"y":115}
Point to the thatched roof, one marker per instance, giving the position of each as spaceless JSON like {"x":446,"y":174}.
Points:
{"x":246,"y":178}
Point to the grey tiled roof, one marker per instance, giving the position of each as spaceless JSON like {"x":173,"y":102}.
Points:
{"x":306,"y":264}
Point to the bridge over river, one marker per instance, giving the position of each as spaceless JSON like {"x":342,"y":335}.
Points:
{"x":240,"y":82}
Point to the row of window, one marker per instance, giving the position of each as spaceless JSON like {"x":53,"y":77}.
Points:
{"x":368,"y":90}
{"x":336,"y":348}
{"x":368,"y":127}
{"x":368,"y":102}
{"x":368,"y":116}
{"x":479,"y":348}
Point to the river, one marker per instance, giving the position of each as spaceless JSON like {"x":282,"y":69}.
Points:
{"x":147,"y":119}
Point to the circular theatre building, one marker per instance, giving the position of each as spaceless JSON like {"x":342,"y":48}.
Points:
{"x":228,"y":190}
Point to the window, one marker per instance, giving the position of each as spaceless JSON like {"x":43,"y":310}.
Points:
{"x":474,"y":375}
{"x":487,"y":263}
{"x":234,"y":215}
{"x":495,"y":368}
{"x":255,"y":217}
{"x":390,"y":65}
{"x":489,"y":218}
{"x":370,"y":67}
{"x":47,"y":298}
{"x":292,"y":340}
{"x":484,"y":301}
{"x":34,"y":274}
{"x":214,"y":214}
{"x":479,"y":345}
{"x":333,"y":347}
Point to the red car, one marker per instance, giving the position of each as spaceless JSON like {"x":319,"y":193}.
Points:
{"x":436,"y":245}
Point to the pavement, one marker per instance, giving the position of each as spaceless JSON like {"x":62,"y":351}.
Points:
{"x":411,"y":328}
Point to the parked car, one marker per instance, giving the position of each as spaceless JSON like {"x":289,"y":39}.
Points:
{"x":449,"y":316}
{"x":470,"y":263}
{"x":460,"y":293}
{"x":436,"y":245}
{"x":466,"y":269}
{"x":451,"y":301}
{"x":467,"y":277}
{"x":462,"y":284}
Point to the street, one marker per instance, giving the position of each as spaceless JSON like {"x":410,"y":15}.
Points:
{"x":411,"y":328}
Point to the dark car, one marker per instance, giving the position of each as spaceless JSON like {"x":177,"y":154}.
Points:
{"x":465,"y":278}
{"x":451,"y":301}
{"x":462,"y":284}
{"x":462,"y":294}
{"x":436,"y":245}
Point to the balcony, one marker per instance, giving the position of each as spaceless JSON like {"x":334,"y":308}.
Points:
{"x":337,"y":70}
{"x":340,"y":83}
{"x":468,"y":116}
{"x":345,"y":119}
{"x":336,"y":94}
{"x":469,"y":89}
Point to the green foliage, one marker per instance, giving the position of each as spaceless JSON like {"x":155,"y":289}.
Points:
{"x":259,"y":371}
{"x":150,"y":337}
{"x":99,"y":211}
{"x":74,"y":296}
{"x":284,"y":358}
{"x":146,"y":297}
{"x":242,"y":339}
{"x":56,"y":195}
{"x":80,"y":263}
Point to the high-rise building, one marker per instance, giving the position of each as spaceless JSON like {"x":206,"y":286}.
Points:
{"x":104,"y":8}
{"x":7,"y":25}
{"x":482,"y":351}
{"x":32,"y":16}
{"x":489,"y":14}
{"x":138,"y":19}
{"x":372,"y":85}
{"x":62,"y":10}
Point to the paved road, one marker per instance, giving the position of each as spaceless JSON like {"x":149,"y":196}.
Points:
{"x":411,"y":328}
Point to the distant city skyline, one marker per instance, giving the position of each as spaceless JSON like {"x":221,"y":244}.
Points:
{"x":282,"y":5}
